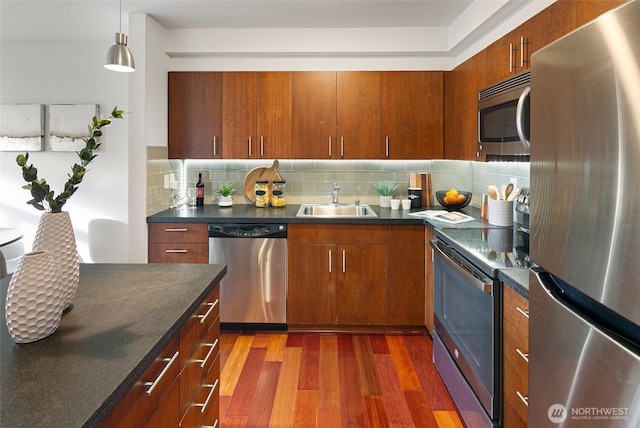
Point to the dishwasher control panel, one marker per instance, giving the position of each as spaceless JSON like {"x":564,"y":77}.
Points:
{"x":248,"y":230}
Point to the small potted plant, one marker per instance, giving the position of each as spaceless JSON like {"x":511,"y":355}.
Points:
{"x":385,"y":189}
{"x":225,"y":191}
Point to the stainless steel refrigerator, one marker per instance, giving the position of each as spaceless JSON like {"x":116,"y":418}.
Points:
{"x":584,"y":349}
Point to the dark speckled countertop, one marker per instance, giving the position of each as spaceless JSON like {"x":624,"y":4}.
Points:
{"x":123,"y":316}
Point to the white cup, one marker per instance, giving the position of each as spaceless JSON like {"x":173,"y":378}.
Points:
{"x":395,"y":204}
{"x":406,"y":204}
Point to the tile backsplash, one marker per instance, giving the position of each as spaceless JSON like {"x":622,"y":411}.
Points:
{"x":312,"y":180}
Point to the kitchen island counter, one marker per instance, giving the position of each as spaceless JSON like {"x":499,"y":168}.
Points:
{"x":123,"y":316}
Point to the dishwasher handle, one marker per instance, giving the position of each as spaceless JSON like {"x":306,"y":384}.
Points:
{"x":247,"y":230}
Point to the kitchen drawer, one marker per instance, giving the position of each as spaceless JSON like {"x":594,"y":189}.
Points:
{"x":204,"y":410}
{"x":193,"y":233}
{"x":516,"y":349}
{"x":178,"y":253}
{"x":515,"y":390}
{"x":135,"y":408}
{"x":516,"y":310}
{"x":511,"y":417}
{"x":193,"y":331}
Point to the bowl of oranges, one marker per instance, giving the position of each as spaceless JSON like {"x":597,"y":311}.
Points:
{"x":453,"y":199}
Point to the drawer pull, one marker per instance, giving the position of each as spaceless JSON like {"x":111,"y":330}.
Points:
{"x":204,"y":405}
{"x":523,"y":312}
{"x":181,"y":229}
{"x":522,"y":398}
{"x":153,"y":384}
{"x":176,"y":251}
{"x":215,"y":425}
{"x":211,"y":307}
{"x":212,"y":346}
{"x":523,"y":355}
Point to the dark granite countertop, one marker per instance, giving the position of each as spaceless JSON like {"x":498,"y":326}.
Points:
{"x":123,"y":316}
{"x":247,"y":213}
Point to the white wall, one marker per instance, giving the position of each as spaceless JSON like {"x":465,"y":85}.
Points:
{"x":69,"y":72}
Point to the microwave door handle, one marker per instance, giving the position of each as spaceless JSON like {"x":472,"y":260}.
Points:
{"x":519,"y":117}
{"x":486,"y":286}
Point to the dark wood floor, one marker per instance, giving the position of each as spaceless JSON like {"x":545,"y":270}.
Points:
{"x":278,"y":379}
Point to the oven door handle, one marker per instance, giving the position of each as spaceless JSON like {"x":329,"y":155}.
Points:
{"x":484,"y":286}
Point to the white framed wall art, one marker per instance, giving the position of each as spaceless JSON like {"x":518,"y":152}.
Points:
{"x":21,"y":127}
{"x":68,"y":125}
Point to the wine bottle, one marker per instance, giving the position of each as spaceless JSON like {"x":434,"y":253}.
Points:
{"x":199,"y":191}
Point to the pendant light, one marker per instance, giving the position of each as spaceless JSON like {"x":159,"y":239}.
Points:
{"x":119,"y":57}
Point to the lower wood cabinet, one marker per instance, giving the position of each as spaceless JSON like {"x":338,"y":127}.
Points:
{"x":515,"y":358}
{"x":355,"y":275}
{"x":181,"y":387}
{"x":178,"y":243}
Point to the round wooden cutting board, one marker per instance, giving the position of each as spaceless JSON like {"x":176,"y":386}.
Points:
{"x":260,"y":173}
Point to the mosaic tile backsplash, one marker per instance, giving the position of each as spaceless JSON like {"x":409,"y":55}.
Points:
{"x":311,"y":181}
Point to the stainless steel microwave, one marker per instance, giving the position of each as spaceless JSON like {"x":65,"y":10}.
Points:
{"x":503,"y":116}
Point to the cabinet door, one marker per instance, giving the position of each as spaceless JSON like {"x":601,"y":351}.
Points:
{"x":406,"y":282}
{"x":314,"y":115}
{"x":411,"y":114}
{"x":239,"y":92}
{"x":195,"y":115}
{"x":358,"y":114}
{"x":312,"y":284}
{"x":362,"y":287}
{"x":274,"y":115}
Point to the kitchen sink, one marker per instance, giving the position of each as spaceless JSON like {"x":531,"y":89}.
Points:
{"x":335,"y":210}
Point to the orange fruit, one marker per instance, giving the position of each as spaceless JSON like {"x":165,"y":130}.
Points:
{"x":461,"y":198}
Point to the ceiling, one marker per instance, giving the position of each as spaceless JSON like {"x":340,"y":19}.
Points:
{"x":460,"y":21}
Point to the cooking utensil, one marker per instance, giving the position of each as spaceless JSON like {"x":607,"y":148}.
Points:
{"x":513,"y":194}
{"x":492,"y":191}
{"x":260,"y":173}
{"x":507,"y":191}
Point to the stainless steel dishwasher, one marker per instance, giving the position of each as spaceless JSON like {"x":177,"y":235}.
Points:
{"x":254,"y":290}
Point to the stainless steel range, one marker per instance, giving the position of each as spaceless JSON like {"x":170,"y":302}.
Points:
{"x":468,"y":312}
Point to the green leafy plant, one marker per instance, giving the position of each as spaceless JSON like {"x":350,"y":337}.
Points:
{"x":44,"y":198}
{"x":385,"y":187}
{"x":225,"y":190}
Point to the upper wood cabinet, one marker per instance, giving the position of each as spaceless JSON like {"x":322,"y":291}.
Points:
{"x":314,"y":114}
{"x":411,"y":114}
{"x":256,"y":118}
{"x":195,"y":115}
{"x":358,"y":115}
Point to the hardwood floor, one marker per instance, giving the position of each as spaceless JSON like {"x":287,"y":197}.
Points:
{"x":279,"y":379}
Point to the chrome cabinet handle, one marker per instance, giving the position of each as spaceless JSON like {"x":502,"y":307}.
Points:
{"x":261,"y":146}
{"x":386,"y":146}
{"x":329,"y":261}
{"x":211,"y":307}
{"x":211,"y":346}
{"x":523,"y":42}
{"x":344,"y":260}
{"x":153,"y":384}
{"x":524,"y":356}
{"x":204,"y":405}
{"x":249,"y":146}
{"x":523,"y":312}
{"x":214,"y":146}
{"x":176,"y":229}
{"x":522,"y":398}
{"x":329,"y":146}
{"x":341,"y":147}
{"x":176,"y":251}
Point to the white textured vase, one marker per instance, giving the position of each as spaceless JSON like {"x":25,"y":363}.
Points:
{"x":385,"y":201}
{"x":225,"y":201}
{"x":34,"y":298}
{"x":55,"y":235}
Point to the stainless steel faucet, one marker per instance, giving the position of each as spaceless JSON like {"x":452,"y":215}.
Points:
{"x":334,"y":193}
